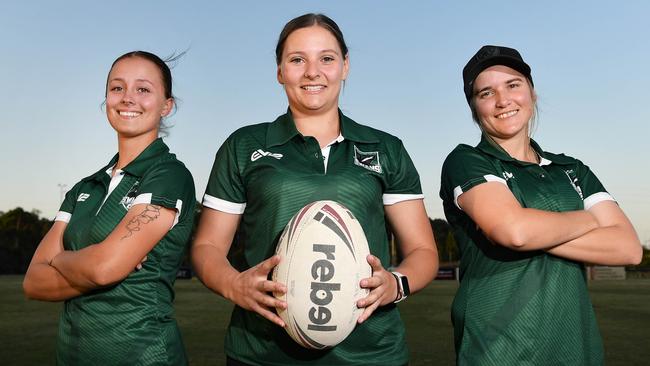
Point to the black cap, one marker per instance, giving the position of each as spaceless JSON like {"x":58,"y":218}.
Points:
{"x":489,"y":56}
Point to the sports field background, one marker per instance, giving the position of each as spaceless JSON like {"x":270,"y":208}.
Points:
{"x":28,"y":328}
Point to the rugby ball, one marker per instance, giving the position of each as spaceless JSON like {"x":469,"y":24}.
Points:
{"x":323,"y":250}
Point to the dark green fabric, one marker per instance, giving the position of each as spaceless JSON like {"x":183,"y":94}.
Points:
{"x":274,"y":189}
{"x":519,"y":308}
{"x":132,"y":322}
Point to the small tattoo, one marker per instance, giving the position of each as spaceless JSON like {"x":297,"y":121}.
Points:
{"x":150,"y":213}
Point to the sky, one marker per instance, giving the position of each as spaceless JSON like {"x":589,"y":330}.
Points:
{"x":588,"y":59}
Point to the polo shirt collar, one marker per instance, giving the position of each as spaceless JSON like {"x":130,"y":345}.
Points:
{"x":284,"y":129}
{"x":356,"y":132}
{"x":101,"y":175}
{"x":139,"y":165}
{"x":147,"y":157}
{"x":492,"y":148}
{"x":281,"y":130}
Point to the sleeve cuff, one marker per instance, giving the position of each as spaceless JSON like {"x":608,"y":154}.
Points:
{"x":147,"y":199}
{"x":488,"y":178}
{"x":223,"y":205}
{"x":595,"y":198}
{"x":391,"y":199}
{"x":63,"y":216}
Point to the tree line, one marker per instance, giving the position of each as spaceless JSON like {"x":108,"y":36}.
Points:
{"x":21,"y":231}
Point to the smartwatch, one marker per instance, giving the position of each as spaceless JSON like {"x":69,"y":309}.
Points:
{"x":403,"y":290}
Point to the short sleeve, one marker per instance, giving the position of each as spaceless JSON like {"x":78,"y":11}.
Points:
{"x":225,"y":191}
{"x":67,"y":207}
{"x":464,"y":168}
{"x":168,"y":184}
{"x":403,"y":180}
{"x":590,"y":187}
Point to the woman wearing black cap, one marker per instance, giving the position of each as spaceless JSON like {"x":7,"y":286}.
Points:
{"x":525,"y":221}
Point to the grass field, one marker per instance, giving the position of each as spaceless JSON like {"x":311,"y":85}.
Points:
{"x":28,"y":328}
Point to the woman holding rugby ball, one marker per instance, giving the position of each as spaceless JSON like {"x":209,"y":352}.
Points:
{"x":264,"y":173}
{"x":526,"y":220}
{"x":139,"y":205}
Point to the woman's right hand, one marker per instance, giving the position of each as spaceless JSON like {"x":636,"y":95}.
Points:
{"x":252,"y":290}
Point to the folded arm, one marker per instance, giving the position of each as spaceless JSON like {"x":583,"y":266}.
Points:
{"x":110,"y":261}
{"x":44,"y":282}
{"x":600,"y":235}
{"x":614,"y":242}
{"x":500,"y":216}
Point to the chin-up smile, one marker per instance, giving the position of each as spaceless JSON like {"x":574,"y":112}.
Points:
{"x":129,"y":114}
{"x":507,"y":114}
{"x":313,"y":88}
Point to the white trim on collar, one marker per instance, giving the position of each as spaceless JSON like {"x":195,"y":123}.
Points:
{"x":326,"y":150}
{"x":543,"y":161}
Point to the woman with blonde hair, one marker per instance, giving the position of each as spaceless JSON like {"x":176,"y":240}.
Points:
{"x":525,"y":220}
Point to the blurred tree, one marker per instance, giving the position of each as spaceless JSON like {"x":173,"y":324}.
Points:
{"x":20,"y":233}
{"x":442,"y":232}
{"x":645,"y":260}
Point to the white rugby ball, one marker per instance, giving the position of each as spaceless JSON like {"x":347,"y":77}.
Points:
{"x":323,"y":250}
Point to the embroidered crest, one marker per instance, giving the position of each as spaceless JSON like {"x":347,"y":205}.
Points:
{"x":367,"y":160}
{"x":573,"y":179}
{"x":129,"y":197}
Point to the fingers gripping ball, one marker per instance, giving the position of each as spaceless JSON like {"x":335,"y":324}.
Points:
{"x":323,"y":250}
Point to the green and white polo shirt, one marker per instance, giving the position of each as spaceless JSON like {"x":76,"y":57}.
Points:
{"x":267,"y":172}
{"x":132,"y":322}
{"x":515,"y":308}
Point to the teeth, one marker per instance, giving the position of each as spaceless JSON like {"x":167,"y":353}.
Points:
{"x":507,"y":114}
{"x":130,"y":114}
{"x":313,"y":87}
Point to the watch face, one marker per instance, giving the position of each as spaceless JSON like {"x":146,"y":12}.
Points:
{"x":405,"y":286}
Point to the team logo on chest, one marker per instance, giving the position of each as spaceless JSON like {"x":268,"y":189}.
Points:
{"x":368,"y":160}
{"x":129,"y":197}
{"x":573,"y":179}
{"x":259,"y":153}
{"x":507,"y":175}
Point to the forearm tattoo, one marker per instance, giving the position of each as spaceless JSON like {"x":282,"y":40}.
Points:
{"x":150,"y":213}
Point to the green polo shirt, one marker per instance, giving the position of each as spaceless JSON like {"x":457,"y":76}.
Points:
{"x":132,"y":322}
{"x":267,"y":172}
{"x":520,"y":308}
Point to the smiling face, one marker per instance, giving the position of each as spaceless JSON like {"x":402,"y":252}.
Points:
{"x":135,"y":98}
{"x":311,"y":69}
{"x":504,"y":102}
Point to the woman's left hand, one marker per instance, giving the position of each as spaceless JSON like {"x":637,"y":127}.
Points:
{"x":382,"y":286}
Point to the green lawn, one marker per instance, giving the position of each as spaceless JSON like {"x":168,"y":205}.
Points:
{"x":28,"y":328}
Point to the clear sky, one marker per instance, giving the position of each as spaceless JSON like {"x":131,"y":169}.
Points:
{"x":589,"y":62}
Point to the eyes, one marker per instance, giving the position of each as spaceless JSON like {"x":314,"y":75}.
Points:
{"x":485,"y":93}
{"x":120,"y":89}
{"x":488,"y":92}
{"x":299,"y":60}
